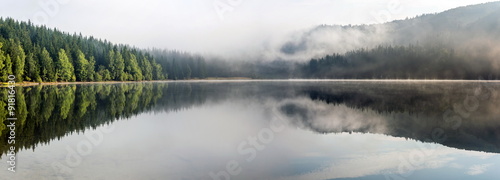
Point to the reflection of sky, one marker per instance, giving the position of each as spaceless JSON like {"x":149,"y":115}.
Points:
{"x":190,"y":144}
{"x":414,"y":162}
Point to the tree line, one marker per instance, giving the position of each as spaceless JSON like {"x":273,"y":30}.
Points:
{"x":413,"y":61}
{"x":401,"y":62}
{"x":40,"y":54}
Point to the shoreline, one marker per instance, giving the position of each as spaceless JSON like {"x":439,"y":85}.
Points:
{"x":249,"y":79}
{"x":26,"y":83}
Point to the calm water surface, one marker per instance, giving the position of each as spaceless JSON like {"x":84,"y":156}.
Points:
{"x":257,"y":130}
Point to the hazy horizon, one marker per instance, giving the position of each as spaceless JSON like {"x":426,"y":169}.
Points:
{"x":216,"y":27}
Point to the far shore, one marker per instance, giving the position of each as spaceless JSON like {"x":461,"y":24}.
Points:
{"x":219,"y":79}
{"x":26,"y":83}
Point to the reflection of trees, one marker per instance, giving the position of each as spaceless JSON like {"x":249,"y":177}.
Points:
{"x":405,"y":110}
{"x":414,"y":111}
{"x":392,"y":97}
{"x":48,"y":112}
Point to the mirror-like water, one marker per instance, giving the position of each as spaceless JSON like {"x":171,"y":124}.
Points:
{"x":256,"y":130}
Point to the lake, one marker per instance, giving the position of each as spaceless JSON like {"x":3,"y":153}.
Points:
{"x":256,"y":130}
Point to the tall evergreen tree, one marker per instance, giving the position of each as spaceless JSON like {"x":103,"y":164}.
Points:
{"x":8,"y":66}
{"x":147,"y":69}
{"x":91,"y":69}
{"x":81,"y":65}
{"x":133,"y":68}
{"x":109,"y":62}
{"x":18,"y":57}
{"x":3,"y":66}
{"x":31,"y":69}
{"x":119,"y":64}
{"x":64,"y":68}
{"x":47,"y":66}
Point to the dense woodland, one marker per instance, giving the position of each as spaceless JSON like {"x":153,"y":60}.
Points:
{"x":34,"y":53}
{"x":401,"y":62}
{"x":39,"y":54}
{"x":461,"y":43}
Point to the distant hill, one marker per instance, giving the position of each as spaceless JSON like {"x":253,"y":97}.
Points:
{"x":457,"y":27}
{"x":461,"y":43}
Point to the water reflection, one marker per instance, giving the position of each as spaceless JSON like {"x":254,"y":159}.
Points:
{"x":334,"y":129}
{"x":460,"y":115}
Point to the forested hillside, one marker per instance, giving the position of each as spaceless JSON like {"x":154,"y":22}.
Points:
{"x":401,"y":62}
{"x":34,"y":53}
{"x":461,"y":43}
{"x":39,"y":54}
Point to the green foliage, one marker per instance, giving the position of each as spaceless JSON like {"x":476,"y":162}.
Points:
{"x":33,"y":53}
{"x":66,"y":98}
{"x":64,"y":68}
{"x":56,"y":111}
{"x":31,"y":69}
{"x":132,"y":68}
{"x":8,"y":67}
{"x":147,"y":69}
{"x":103,"y":74}
{"x":3,"y":109}
{"x":48,"y":73}
{"x":157,"y":72}
{"x":21,"y":109}
{"x":91,"y":69}
{"x":119,"y":65}
{"x":399,"y":62}
{"x":81,"y":67}
{"x":3,"y":66}
{"x":109,"y":63}
{"x":180,"y":65}
{"x":18,"y":57}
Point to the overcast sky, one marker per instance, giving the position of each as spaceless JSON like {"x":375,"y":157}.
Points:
{"x":210,"y":26}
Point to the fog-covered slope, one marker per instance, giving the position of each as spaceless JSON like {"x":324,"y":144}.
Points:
{"x":474,"y":27}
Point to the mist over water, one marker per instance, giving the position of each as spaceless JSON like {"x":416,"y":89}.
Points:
{"x":304,"y":129}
